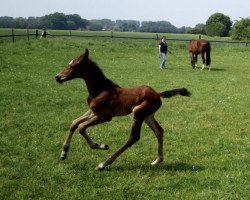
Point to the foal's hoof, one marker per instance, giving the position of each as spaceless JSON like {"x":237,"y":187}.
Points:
{"x":63,"y":156}
{"x":104,"y":146}
{"x":100,"y":167}
{"x":157,"y":161}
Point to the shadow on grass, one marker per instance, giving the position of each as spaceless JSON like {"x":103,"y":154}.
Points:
{"x":174,"y":167}
{"x":217,"y":69}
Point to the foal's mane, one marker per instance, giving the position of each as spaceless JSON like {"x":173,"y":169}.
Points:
{"x":98,"y":75}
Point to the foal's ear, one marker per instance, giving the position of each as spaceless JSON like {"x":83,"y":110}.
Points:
{"x":86,"y":53}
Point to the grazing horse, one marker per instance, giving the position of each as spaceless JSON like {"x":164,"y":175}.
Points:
{"x":107,"y":99}
{"x":200,"y":47}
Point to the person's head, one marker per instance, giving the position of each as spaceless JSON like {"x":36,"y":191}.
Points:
{"x":163,"y":38}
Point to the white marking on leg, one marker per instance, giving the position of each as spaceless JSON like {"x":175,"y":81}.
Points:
{"x":101,"y":166}
{"x":71,"y":62}
{"x":202,"y":66}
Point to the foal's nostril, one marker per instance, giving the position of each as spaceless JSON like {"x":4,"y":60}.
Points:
{"x":58,"y":78}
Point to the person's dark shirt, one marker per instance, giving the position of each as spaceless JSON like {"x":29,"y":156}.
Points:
{"x":164,"y":47}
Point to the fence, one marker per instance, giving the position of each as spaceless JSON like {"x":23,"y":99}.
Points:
{"x":36,"y":34}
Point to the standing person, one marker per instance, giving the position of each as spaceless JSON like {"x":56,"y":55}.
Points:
{"x":163,"y":48}
{"x":44,"y":33}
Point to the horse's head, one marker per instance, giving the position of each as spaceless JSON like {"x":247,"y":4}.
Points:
{"x":75,"y":68}
{"x":193,"y":60}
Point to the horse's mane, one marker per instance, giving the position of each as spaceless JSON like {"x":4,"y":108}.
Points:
{"x":103,"y":81}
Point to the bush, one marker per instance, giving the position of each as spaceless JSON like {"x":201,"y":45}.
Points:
{"x":241,"y":30}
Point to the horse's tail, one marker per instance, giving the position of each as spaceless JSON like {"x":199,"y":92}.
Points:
{"x":208,"y":57}
{"x":178,"y":91}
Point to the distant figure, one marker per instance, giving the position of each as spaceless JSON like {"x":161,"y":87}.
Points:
{"x":44,"y":33}
{"x":163,"y":48}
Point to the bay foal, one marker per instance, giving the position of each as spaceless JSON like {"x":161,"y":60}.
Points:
{"x":106,"y":100}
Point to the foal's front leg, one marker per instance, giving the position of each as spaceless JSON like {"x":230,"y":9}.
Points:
{"x":94,"y":120}
{"x":72,"y":129}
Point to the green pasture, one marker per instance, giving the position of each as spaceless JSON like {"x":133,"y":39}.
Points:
{"x":206,"y":141}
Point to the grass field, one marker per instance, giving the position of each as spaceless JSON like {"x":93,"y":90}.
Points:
{"x":206,"y":142}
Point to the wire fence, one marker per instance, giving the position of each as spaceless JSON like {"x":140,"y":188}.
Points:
{"x":38,"y":34}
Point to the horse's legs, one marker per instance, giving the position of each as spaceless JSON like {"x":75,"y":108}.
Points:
{"x":72,"y":129}
{"x":203,"y":60}
{"x":158,"y":131}
{"x":196,"y":61}
{"x":192,"y":59}
{"x":134,"y":137}
{"x":94,"y":120}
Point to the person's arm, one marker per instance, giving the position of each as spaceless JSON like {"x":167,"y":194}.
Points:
{"x":159,"y":49}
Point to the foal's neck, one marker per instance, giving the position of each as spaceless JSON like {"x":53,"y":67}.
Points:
{"x":97,"y":82}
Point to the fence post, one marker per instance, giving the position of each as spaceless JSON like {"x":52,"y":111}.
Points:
{"x":36,"y":33}
{"x":70,"y":33}
{"x":112,"y":35}
{"x":28,"y":34}
{"x":13,"y":36}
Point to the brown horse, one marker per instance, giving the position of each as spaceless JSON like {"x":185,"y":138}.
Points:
{"x":106,"y":100}
{"x":200,"y":47}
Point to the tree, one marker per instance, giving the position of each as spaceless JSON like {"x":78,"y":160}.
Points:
{"x":158,"y":27}
{"x":20,"y":22}
{"x":218,"y":24}
{"x":55,"y":21}
{"x":198,"y":29}
{"x":6,"y":22}
{"x":127,"y":25}
{"x":95,"y":27}
{"x":241,"y":29}
{"x":75,"y":22}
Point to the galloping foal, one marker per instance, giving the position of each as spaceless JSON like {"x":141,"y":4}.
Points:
{"x":106,"y":100}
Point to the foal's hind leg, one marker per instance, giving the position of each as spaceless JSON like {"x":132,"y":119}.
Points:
{"x":72,"y":129}
{"x":134,"y":137}
{"x":158,"y":131}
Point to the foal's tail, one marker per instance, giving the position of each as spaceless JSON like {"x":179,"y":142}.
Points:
{"x":208,"y":57}
{"x":178,"y":91}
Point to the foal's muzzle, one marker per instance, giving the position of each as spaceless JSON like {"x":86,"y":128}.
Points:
{"x":59,"y":79}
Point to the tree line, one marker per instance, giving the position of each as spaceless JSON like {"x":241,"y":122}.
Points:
{"x":217,"y":24}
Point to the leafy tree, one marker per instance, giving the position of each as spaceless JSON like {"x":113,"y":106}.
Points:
{"x":95,"y":27}
{"x":20,"y":22}
{"x":159,"y":27}
{"x":107,"y":24}
{"x":216,"y":29}
{"x":241,"y":29}
{"x":218,"y":24}
{"x":71,"y":25}
{"x":32,"y":22}
{"x":127,"y":25}
{"x":198,"y":29}
{"x":6,"y":22}
{"x":75,"y":22}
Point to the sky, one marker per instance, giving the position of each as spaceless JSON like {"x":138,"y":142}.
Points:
{"x":177,"y":12}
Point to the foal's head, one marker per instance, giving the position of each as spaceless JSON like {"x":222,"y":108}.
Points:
{"x":77,"y":68}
